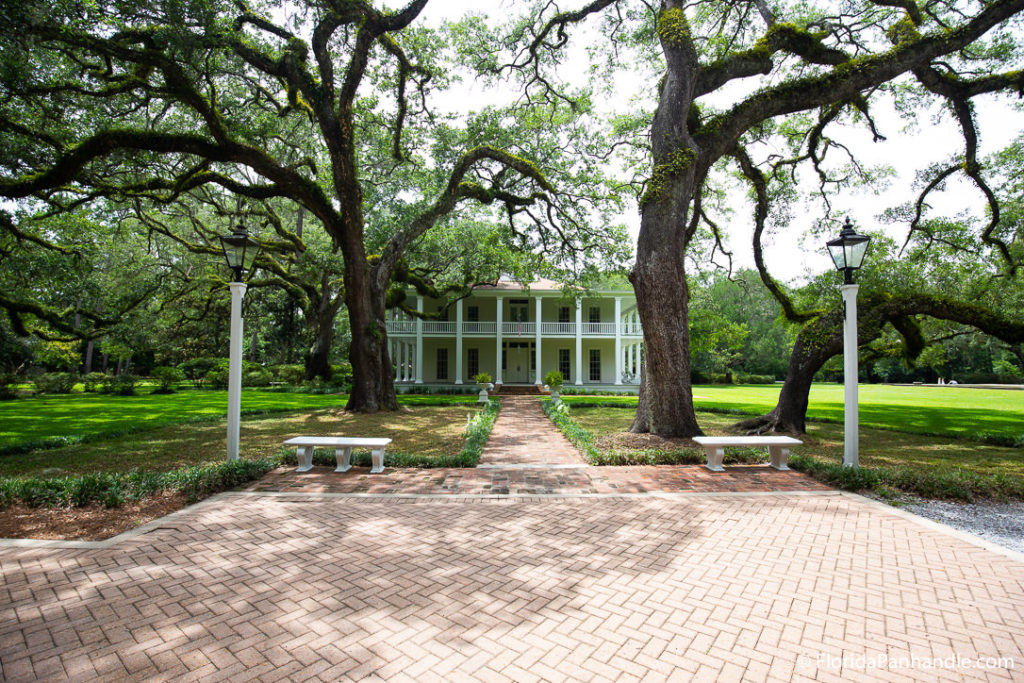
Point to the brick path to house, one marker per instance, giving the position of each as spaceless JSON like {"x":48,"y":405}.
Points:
{"x":686,"y":581}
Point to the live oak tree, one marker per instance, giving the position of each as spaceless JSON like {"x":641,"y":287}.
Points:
{"x":317,"y":102}
{"x":734,"y":73}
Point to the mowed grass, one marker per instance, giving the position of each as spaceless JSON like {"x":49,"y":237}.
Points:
{"x":940,"y":410}
{"x":927,"y":462}
{"x":38,"y":419}
{"x":423,"y":430}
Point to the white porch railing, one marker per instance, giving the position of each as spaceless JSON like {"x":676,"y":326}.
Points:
{"x":517,"y":329}
{"x":512,"y":329}
{"x":599,"y":329}
{"x":552,"y":329}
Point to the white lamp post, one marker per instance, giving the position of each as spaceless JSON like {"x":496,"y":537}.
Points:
{"x":240,"y":252}
{"x":847,"y":253}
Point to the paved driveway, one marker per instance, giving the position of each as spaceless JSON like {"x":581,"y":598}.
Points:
{"x":721,"y":587}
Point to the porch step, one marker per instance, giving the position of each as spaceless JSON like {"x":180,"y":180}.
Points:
{"x":519,"y":390}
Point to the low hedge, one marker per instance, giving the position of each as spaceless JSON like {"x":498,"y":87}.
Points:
{"x":113,"y":489}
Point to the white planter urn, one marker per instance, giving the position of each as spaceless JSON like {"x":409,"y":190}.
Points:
{"x":484,"y":388}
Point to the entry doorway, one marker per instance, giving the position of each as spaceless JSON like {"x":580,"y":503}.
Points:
{"x":518,"y":362}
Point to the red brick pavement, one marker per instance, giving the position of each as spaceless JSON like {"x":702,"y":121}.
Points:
{"x":526,"y":480}
{"x":523,"y":435}
{"x":599,"y":588}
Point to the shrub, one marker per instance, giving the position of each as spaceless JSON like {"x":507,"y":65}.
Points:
{"x":217,"y":378}
{"x":554,"y":379}
{"x":482,"y":378}
{"x":341,"y":373}
{"x":167,"y":379}
{"x":254,"y":375}
{"x":93,"y":381}
{"x":289,"y":374}
{"x":120,"y":385}
{"x":55,"y":383}
{"x":196,"y":369}
{"x":740,"y":378}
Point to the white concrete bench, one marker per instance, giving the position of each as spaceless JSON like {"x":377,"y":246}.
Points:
{"x":342,"y":446}
{"x":778,"y":447}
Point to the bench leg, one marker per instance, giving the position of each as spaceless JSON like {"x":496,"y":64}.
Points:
{"x":304,"y":455}
{"x":377,"y":460}
{"x":344,"y":458}
{"x":779,"y":457}
{"x":715,"y":455}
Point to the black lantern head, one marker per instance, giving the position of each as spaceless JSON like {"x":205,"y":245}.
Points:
{"x":848,"y":251}
{"x":239,"y":251}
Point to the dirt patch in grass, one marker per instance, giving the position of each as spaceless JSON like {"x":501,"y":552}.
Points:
{"x":625,"y":441}
{"x":91,"y":523}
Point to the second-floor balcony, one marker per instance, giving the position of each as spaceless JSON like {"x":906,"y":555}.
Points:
{"x":448,"y":328}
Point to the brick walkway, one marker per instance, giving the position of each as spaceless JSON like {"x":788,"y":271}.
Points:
{"x":590,"y":588}
{"x":539,"y":480}
{"x":523,"y":435}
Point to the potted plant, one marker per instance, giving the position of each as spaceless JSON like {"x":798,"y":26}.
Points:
{"x":553,"y":382}
{"x":483,"y":380}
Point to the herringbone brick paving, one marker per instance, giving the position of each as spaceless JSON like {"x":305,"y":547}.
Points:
{"x":587,"y":588}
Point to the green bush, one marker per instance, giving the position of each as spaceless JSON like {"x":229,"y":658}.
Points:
{"x":167,"y":379}
{"x":93,"y":381}
{"x":289,"y":374}
{"x":55,"y":383}
{"x":482,"y":378}
{"x":741,"y":378}
{"x":196,"y":369}
{"x":554,"y":379}
{"x":217,"y":378}
{"x":341,"y":373}
{"x":254,"y":375}
{"x":119,"y":385}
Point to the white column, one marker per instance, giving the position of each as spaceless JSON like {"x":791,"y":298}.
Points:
{"x":395,"y":346}
{"x":235,"y":368}
{"x":851,"y":432}
{"x":537,"y":355}
{"x":497,"y":343}
{"x":579,"y":341}
{"x":618,"y":340}
{"x":458,"y":342}
{"x":418,"y":364}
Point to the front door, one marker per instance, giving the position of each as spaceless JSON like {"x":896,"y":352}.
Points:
{"x":517,"y":370}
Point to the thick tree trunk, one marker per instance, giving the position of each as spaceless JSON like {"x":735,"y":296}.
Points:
{"x":373,"y":378}
{"x":659,"y":277}
{"x":318,"y":360}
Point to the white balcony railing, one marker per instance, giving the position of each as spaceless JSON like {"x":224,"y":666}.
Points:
{"x":512,"y":329}
{"x":553,"y":329}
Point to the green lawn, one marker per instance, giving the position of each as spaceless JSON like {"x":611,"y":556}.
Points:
{"x":933,"y":466}
{"x":29,"y":420}
{"x":945,"y":410}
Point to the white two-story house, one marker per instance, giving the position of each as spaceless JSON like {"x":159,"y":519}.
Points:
{"x":517,"y":334}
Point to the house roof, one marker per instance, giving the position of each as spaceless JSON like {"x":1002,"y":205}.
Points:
{"x":542,"y":284}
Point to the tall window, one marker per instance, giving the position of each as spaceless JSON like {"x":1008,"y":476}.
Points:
{"x":473,"y":314}
{"x":473,"y":361}
{"x":595,"y":314}
{"x":563,"y":314}
{"x":563,"y":363}
{"x":442,"y":363}
{"x":595,"y":365}
{"x":442,"y":312}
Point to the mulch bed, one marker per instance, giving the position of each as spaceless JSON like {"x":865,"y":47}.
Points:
{"x":628,"y":441}
{"x":90,"y":523}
